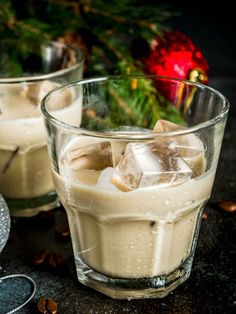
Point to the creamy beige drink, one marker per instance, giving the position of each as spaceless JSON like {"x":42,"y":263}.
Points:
{"x":24,"y":163}
{"x":133,"y":206}
{"x":134,"y":185}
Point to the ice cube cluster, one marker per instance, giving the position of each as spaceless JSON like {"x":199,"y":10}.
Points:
{"x":150,"y":163}
{"x":126,"y":165}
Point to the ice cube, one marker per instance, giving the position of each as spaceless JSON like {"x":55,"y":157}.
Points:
{"x":148,"y":164}
{"x":92,"y":154}
{"x":165,"y":126}
{"x":117,"y":150}
{"x":35,"y":92}
{"x":195,"y":157}
{"x":189,"y":146}
{"x":118,"y":146}
{"x":104,"y":181}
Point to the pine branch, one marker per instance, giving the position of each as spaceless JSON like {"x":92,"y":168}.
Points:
{"x":74,"y":5}
{"x":107,"y":29}
{"x":120,"y":19}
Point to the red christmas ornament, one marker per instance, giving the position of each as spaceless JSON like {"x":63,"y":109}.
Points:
{"x":177,"y":56}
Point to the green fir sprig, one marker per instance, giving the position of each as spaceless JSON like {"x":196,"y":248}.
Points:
{"x":107,"y":31}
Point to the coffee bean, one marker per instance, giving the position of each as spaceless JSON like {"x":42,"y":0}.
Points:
{"x":47,"y":306}
{"x":227,"y":206}
{"x":41,"y":257}
{"x":62,"y":232}
{"x":54,"y":260}
{"x":48,"y":260}
{"x":204,"y":215}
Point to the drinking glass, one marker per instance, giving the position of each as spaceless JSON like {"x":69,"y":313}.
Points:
{"x":134,"y":173}
{"x":25,"y":77}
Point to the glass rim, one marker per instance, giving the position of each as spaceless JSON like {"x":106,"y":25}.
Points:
{"x":128,"y":135}
{"x":53,"y":74}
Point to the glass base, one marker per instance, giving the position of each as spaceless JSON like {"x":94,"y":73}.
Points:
{"x":32,"y":206}
{"x":140,"y":288}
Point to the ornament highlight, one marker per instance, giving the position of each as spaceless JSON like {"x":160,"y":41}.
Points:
{"x":175,"y":55}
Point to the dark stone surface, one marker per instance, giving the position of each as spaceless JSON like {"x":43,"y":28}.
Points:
{"x":212,"y":285}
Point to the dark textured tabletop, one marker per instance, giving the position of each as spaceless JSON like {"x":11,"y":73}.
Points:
{"x":212,"y":285}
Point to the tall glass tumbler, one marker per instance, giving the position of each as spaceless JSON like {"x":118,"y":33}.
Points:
{"x":134,"y":183}
{"x":25,"y":174}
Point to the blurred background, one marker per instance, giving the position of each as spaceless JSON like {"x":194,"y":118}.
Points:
{"x":211,"y":26}
{"x":105,"y":31}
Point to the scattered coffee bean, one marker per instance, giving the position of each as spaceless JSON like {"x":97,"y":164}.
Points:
{"x":54,"y":260}
{"x":41,"y":257}
{"x":204,"y":215}
{"x":227,"y":206}
{"x":48,"y":260}
{"x":63,"y":232}
{"x":47,"y":306}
